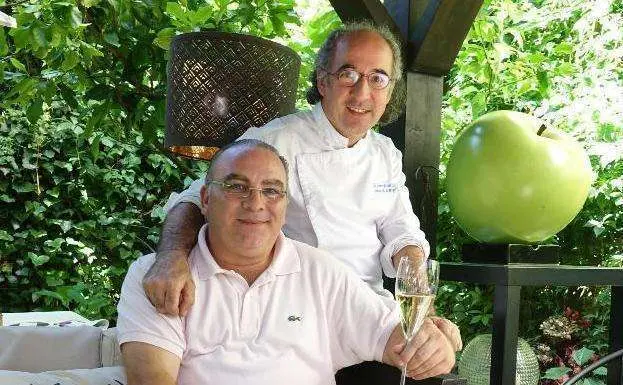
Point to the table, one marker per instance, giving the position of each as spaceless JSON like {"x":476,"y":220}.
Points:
{"x":508,"y":280}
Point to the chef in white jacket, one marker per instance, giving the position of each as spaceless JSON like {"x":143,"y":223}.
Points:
{"x":351,"y":201}
{"x":347,"y":191}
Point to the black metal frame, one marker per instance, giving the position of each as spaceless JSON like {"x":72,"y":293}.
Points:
{"x":508,"y":280}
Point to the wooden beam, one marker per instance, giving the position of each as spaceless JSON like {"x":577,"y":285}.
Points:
{"x":402,"y":12}
{"x":436,"y":37}
{"x":374,"y":10}
{"x":399,"y":11}
{"x":421,"y":150}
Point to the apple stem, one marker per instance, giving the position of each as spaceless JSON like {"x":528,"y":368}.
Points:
{"x":541,"y":129}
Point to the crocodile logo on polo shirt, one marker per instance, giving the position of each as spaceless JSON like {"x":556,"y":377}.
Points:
{"x":293,"y":318}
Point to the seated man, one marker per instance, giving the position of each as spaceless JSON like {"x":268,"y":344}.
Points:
{"x":268,"y":310}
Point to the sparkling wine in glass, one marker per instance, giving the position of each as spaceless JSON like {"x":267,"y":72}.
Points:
{"x":416,"y":286}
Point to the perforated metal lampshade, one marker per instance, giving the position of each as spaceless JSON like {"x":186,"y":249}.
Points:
{"x":220,"y":84}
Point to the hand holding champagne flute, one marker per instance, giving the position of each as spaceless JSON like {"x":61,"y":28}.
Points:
{"x":416,"y":286}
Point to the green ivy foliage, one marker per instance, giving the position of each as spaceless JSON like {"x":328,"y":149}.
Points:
{"x":83,"y":175}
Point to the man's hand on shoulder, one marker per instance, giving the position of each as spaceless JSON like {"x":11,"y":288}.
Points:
{"x":428,"y":354}
{"x":169,"y":284}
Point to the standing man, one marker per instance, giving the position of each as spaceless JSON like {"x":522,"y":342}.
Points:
{"x":347,"y":189}
{"x":269,"y":310}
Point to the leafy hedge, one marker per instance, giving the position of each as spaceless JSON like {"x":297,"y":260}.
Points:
{"x":78,"y":210}
{"x":83,"y":175}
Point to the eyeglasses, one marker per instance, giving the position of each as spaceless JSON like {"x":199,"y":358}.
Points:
{"x":242,"y":191}
{"x":348,"y":77}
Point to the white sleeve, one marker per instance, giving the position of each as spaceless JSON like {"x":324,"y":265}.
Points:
{"x":139,"y":321}
{"x":399,"y":227}
{"x":191,"y":195}
{"x":362,"y":321}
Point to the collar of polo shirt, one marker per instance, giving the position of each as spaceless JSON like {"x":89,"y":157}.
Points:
{"x":285,"y":259}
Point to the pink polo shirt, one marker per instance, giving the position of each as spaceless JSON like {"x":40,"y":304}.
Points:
{"x":303,"y":319}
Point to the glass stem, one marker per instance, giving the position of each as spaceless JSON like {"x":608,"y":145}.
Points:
{"x":404,"y":374}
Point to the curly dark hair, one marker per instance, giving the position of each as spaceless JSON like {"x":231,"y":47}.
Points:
{"x":325,"y":53}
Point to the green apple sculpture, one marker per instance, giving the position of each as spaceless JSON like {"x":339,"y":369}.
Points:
{"x":510,"y":179}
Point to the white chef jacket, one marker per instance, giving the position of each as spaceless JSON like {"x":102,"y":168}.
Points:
{"x":352,"y":202}
{"x":301,"y":320}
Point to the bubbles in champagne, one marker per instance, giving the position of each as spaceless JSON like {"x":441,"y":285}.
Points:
{"x":413,"y":309}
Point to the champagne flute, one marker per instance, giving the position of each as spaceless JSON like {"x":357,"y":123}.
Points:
{"x":416,"y":286}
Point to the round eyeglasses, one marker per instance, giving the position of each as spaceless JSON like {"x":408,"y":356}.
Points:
{"x":243,"y":191}
{"x":348,"y":77}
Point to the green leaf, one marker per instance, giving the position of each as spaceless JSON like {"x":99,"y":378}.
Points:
{"x":22,"y":89}
{"x":53,"y":281}
{"x":164,"y":37}
{"x":99,"y":92}
{"x":68,"y":96}
{"x":90,"y":51}
{"x":21,"y":37}
{"x":4,"y":236}
{"x":200,"y":16}
{"x":107,"y":142}
{"x":4,"y":48}
{"x":601,"y":371}
{"x":478,"y":104}
{"x":90,"y":3}
{"x":35,"y":110}
{"x":112,"y":38}
{"x":32,"y":8}
{"x":37,"y":260}
{"x":54,"y":244}
{"x":565,"y":69}
{"x":555,"y":373}
{"x":75,"y":16}
{"x":18,"y":65}
{"x":564,"y":48}
{"x":6,"y":198}
{"x":543,"y":83}
{"x":591,"y":381}
{"x":582,"y":356}
{"x":50,"y":74}
{"x":23,"y":187}
{"x":176,"y":10}
{"x":95,"y":147}
{"x":57,"y":34}
{"x":38,"y":35}
{"x":70,"y":61}
{"x":47,"y":293}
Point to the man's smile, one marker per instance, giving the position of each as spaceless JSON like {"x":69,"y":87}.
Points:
{"x":252,"y":221}
{"x":357,"y":110}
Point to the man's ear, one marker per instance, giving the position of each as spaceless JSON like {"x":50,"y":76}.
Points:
{"x":204,"y":200}
{"x":321,"y":82}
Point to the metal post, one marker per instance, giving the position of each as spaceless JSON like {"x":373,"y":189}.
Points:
{"x":504,"y":338}
{"x":615,"y":373}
